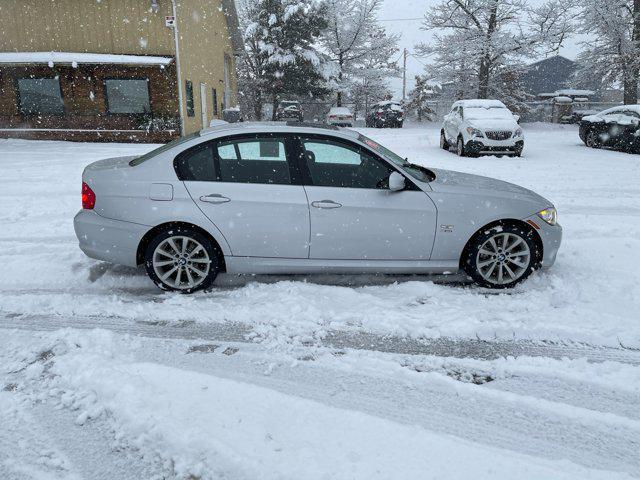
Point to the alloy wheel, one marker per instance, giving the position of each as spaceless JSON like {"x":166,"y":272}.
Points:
{"x":181,"y":262}
{"x":592,"y":140}
{"x":503,"y":258}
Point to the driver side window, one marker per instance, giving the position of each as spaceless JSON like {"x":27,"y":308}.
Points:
{"x":337,"y":164}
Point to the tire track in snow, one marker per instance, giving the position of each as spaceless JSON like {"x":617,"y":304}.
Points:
{"x":238,"y":332}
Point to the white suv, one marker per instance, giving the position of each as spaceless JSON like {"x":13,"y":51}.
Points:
{"x":481,"y":127}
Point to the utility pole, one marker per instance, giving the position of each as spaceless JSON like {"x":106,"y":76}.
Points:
{"x":176,"y":39}
{"x":404,"y":75}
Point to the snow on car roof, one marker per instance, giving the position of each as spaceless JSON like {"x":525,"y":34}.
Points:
{"x":53,"y":58}
{"x":479,"y":103}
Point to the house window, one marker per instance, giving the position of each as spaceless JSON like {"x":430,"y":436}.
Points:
{"x":40,"y":96}
{"x":191,"y":111}
{"x":214,"y":95}
{"x":128,"y":96}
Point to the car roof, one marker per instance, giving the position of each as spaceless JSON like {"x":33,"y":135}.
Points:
{"x":479,"y":103}
{"x":277,"y":127}
{"x":633,"y":108}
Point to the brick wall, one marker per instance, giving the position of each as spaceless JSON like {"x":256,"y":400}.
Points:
{"x":85,"y":105}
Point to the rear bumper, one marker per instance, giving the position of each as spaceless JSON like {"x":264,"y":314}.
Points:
{"x":108,"y":240}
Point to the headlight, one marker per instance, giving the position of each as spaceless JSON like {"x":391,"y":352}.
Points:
{"x":474,"y":132}
{"x":549,"y":215}
{"x":518,"y":132}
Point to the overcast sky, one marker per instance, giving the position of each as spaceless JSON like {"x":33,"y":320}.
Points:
{"x":404,"y":18}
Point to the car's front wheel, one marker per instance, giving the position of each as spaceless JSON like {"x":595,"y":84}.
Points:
{"x":501,"y":256}
{"x":182,"y":259}
{"x":443,"y":141}
{"x":593,"y":140}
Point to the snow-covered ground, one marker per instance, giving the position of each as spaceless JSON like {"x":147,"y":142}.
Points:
{"x":268,"y":396}
{"x":591,"y":295}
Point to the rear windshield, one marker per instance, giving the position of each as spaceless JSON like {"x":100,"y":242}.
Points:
{"x":162,"y":149}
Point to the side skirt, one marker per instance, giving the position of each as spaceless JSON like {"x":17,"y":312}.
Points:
{"x":293,"y":266}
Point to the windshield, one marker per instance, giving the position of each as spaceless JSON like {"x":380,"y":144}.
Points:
{"x":163,"y":148}
{"x":416,"y":171}
{"x":491,"y":112}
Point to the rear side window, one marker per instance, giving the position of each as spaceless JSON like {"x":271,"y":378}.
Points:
{"x":248,"y":160}
{"x":337,"y":164}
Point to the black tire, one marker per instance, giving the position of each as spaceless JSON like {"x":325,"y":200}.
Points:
{"x":460,"y":150}
{"x":470,"y":256}
{"x":443,"y":141}
{"x":208,"y":245}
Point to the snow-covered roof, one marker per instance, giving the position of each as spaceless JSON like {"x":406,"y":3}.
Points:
{"x":340,"y":110}
{"x":572,"y":92}
{"x":72,"y":58}
{"x":479,"y":103}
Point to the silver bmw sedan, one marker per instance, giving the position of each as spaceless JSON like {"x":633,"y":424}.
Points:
{"x":304,"y":199}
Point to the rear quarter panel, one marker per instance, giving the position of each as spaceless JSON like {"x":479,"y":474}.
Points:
{"x":125,"y":194}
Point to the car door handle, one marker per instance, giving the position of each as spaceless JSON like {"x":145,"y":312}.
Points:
{"x":214,"y":198}
{"x":326,"y":204}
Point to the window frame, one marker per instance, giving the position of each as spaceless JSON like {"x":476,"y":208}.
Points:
{"x":106,"y":96}
{"x":35,"y":114}
{"x":288,"y":139}
{"x":214,"y":95}
{"x":306,"y":173}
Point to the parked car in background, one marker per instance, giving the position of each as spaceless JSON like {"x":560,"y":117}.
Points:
{"x":246,"y":198}
{"x":481,"y":127}
{"x":340,"y":117}
{"x":386,"y":114}
{"x":617,"y":128}
{"x":289,"y":110}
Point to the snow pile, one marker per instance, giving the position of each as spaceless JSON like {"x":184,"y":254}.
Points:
{"x":52,"y":58}
{"x":204,"y":426}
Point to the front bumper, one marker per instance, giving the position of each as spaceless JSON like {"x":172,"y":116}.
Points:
{"x":551,"y":236}
{"x":109,"y":240}
{"x":490,"y":147}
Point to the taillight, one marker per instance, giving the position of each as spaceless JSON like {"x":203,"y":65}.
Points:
{"x":88,"y":197}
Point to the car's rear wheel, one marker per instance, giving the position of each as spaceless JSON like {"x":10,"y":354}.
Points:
{"x":460,"y":147}
{"x":182,"y":259}
{"x":593,"y":140}
{"x":502,"y":257}
{"x":443,"y":141}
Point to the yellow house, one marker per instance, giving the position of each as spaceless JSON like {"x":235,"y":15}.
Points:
{"x":141,"y":70}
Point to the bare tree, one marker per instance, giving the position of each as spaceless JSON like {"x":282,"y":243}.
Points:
{"x":481,"y":40}
{"x":613,"y":52}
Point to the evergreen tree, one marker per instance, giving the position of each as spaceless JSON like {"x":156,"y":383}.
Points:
{"x":286,"y":33}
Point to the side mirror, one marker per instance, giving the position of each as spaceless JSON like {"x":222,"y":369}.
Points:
{"x":517,"y":117}
{"x":396,"y":182}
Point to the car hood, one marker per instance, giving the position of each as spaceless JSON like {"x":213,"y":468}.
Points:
{"x":448,"y":181}
{"x":592,"y":118}
{"x":494,"y":124}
